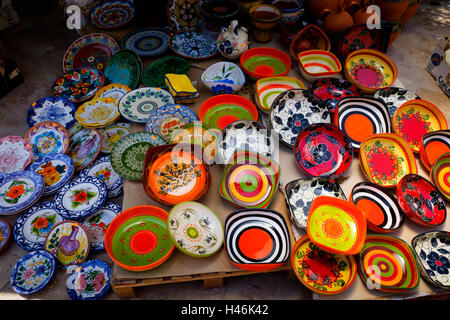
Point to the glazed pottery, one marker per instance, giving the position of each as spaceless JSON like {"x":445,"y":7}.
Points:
{"x":358,"y":37}
{"x":360,"y":117}
{"x":75,"y":128}
{"x":291,"y":10}
{"x":392,"y":10}
{"x":315,"y":64}
{"x":223,"y":77}
{"x":128,"y":154}
{"x":322,"y":150}
{"x":385,"y":158}
{"x":98,"y":113}
{"x":394,"y":97}
{"x":32,"y":272}
{"x":5,"y":235}
{"x":154,"y":73}
{"x":361,"y":16}
{"x":89,"y":281}
{"x":232,"y":41}
{"x":380,"y":207}
{"x":421,"y":201}
{"x":85,"y":146}
{"x":415,"y":118}
{"x":112,"y":14}
{"x":439,"y":175}
{"x":16,"y":154}
{"x":195,"y":229}
{"x":293,"y":110}
{"x":267,"y":89}
{"x":339,"y":20}
{"x":432,"y":250}
{"x":264,"y":19}
{"x":179,"y":85}
{"x":319,"y":8}
{"x":413,"y":6}
{"x":56,"y":109}
{"x":113,"y":90}
{"x":193,"y":44}
{"x":388,"y":264}
{"x":264,"y":62}
{"x":147,"y":42}
{"x":138,"y":238}
{"x":310,"y":37}
{"x":300,"y":194}
{"x":218,"y":13}
{"x":336,"y":225}
{"x":257,"y":239}
{"x":433,"y":145}
{"x":47,"y":138}
{"x":320,"y":271}
{"x":125,"y":68}
{"x":112,"y":133}
{"x":184,"y":14}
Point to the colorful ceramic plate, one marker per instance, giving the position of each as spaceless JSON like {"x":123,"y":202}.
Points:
{"x":415,"y":118}
{"x":421,"y":201}
{"x":223,"y":77}
{"x":432,"y":250}
{"x":293,"y":110}
{"x":264,"y":62}
{"x":320,"y":271}
{"x":195,"y":229}
{"x":5,"y":234}
{"x":33,"y":272}
{"x":388,"y":264}
{"x":360,"y":117}
{"x":128,"y":154}
{"x":113,"y":90}
{"x":440,"y":175}
{"x":48,"y":138}
{"x":257,"y":239}
{"x":310,"y":37}
{"x":358,"y":37}
{"x":113,"y":133}
{"x":89,"y":281}
{"x":184,"y":14}
{"x":80,"y":197}
{"x":300,"y":194}
{"x":56,"y":109}
{"x":125,"y":68}
{"x":315,"y":64}
{"x":85,"y":146}
{"x":147,"y":42}
{"x":112,"y":14}
{"x":33,"y":225}
{"x":336,"y":225}
{"x":98,"y":113}
{"x":394,"y":97}
{"x":385,"y":158}
{"x":433,"y":145}
{"x":154,"y":73}
{"x":193,"y":44}
{"x":138,"y":238}
{"x":15,"y":154}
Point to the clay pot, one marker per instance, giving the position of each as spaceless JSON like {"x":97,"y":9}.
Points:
{"x":351,"y":6}
{"x":396,"y":30}
{"x":264,"y":20}
{"x":361,"y":15}
{"x":410,"y":11}
{"x":338,"y":21}
{"x":392,"y":10}
{"x":319,"y":8}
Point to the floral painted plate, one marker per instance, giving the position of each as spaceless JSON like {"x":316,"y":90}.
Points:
{"x":193,"y":44}
{"x":293,"y":110}
{"x":195,"y":229}
{"x":385,"y":158}
{"x":81,"y":197}
{"x":358,"y":37}
{"x":33,"y":225}
{"x":440,"y":175}
{"x":154,"y":73}
{"x":320,"y":271}
{"x":415,"y":118}
{"x":89,"y":281}
{"x":5,"y":234}
{"x":55,"y":109}
{"x":113,"y":133}
{"x":184,"y":14}
{"x":98,"y":113}
{"x":113,"y":90}
{"x":85,"y":146}
{"x":147,"y":42}
{"x":125,"y":68}
{"x":112,"y":14}
{"x":48,"y":138}
{"x":16,"y":154}
{"x":33,"y":272}
{"x":433,"y":145}
{"x":394,"y":97}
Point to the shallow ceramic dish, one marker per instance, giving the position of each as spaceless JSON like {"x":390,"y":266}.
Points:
{"x":315,"y":64}
{"x":257,"y":239}
{"x":154,"y":73}
{"x":267,"y":89}
{"x":293,"y":110}
{"x":223,"y":77}
{"x":360,"y":117}
{"x":358,"y":37}
{"x":186,"y":17}
{"x":421,"y":201}
{"x":113,"y":90}
{"x":385,"y":158}
{"x":47,"y":138}
{"x":147,"y":42}
{"x":380,"y":207}
{"x":369,"y":70}
{"x":16,"y":154}
{"x":98,"y":113}
{"x":138,"y":238}
{"x":310,"y":37}
{"x":440,"y":175}
{"x":112,"y":14}
{"x":320,"y":271}
{"x":432,"y":250}
{"x":128,"y":154}
{"x":124,"y":67}
{"x":415,"y":118}
{"x":322,"y":150}
{"x":32,"y":272}
{"x":300,"y":194}
{"x":220,"y":110}
{"x":85,"y":146}
{"x":264,"y":62}
{"x":5,"y":234}
{"x":113,"y":133}
{"x":394,"y":97}
{"x":195,"y":229}
{"x":433,"y":145}
{"x":388,"y":264}
{"x":193,"y":44}
{"x":89,"y":281}
{"x":56,"y":109}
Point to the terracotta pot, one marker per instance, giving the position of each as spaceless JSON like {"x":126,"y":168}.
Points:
{"x":338,"y":21}
{"x":361,"y":15}
{"x":396,"y":30}
{"x":319,"y":8}
{"x":351,"y":6}
{"x":410,"y":11}
{"x":392,"y":10}
{"x":264,"y":20}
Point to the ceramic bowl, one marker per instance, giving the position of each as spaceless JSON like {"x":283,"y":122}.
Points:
{"x":370,"y":70}
{"x":336,"y":225}
{"x":264,"y":62}
{"x":432,"y":146}
{"x":440,"y":175}
{"x":322,"y":150}
{"x":257,"y":239}
{"x":223,"y":77}
{"x":310,"y":37}
{"x":154,"y":73}
{"x":5,"y":235}
{"x":421,"y":201}
{"x":124,"y":67}
{"x":385,"y":158}
{"x":192,"y":44}
{"x":267,"y":89}
{"x":415,"y":118}
{"x":380,"y":207}
{"x":320,"y":271}
{"x":315,"y":64}
{"x":89,"y":281}
{"x":360,"y":117}
{"x":394,"y":97}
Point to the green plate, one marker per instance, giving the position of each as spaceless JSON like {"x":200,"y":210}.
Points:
{"x":124,"y":67}
{"x":154,"y":74}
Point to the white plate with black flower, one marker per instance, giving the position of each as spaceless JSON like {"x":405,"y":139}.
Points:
{"x":89,"y":281}
{"x":394,"y":97}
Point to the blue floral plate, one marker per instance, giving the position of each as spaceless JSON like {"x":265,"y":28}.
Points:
{"x":56,"y":109}
{"x":193,"y":45}
{"x":5,"y":234}
{"x":89,"y":281}
{"x":147,"y":42}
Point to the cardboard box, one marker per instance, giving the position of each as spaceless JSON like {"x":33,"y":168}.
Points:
{"x":438,"y":65}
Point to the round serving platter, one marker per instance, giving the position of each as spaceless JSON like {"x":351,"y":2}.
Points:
{"x":55,"y":109}
{"x":147,"y":42}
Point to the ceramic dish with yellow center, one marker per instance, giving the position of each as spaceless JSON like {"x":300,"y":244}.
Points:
{"x":98,"y":113}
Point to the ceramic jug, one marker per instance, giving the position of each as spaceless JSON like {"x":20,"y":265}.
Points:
{"x":361,"y":15}
{"x":232,"y":41}
{"x":338,"y":21}
{"x":392,"y":10}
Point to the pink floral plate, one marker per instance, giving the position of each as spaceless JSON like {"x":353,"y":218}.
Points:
{"x":15,"y":154}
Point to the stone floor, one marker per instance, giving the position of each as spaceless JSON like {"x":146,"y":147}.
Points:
{"x":38,"y":46}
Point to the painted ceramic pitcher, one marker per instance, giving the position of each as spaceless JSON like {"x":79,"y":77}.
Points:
{"x":232,"y":41}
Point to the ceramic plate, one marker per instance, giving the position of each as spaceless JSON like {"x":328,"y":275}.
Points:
{"x":74,"y":129}
{"x":433,"y":253}
{"x":98,"y":113}
{"x":264,"y":62}
{"x":128,"y":154}
{"x":293,"y":110}
{"x":300,"y":194}
{"x":5,"y":234}
{"x":125,"y":68}
{"x":193,"y":45}
{"x":184,"y":14}
{"x":385,"y":158}
{"x":89,"y":281}
{"x":433,"y":145}
{"x":19,"y":191}
{"x":394,"y":97}
{"x":56,"y":170}
{"x":440,"y":175}
{"x":113,"y":90}
{"x":16,"y":154}
{"x":112,"y":14}
{"x":48,"y":138}
{"x":33,"y":225}
{"x":56,"y":109}
{"x":154,"y":73}
{"x":85,"y":146}
{"x":97,"y":223}
{"x":360,"y":117}
{"x":113,"y":133}
{"x":32,"y":272}
{"x":320,"y":271}
{"x":92,"y":50}
{"x":195,"y":229}
{"x":147,"y":42}
{"x":81,"y":197}
{"x":358,"y":37}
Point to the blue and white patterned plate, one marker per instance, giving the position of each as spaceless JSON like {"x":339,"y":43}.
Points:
{"x":32,"y":272}
{"x":193,"y":45}
{"x":89,"y":281}
{"x":81,"y":197}
{"x":147,"y":42}
{"x":5,"y":234}
{"x":56,"y":109}
{"x":32,"y":226}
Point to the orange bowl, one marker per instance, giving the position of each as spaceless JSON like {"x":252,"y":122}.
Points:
{"x":264,"y":62}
